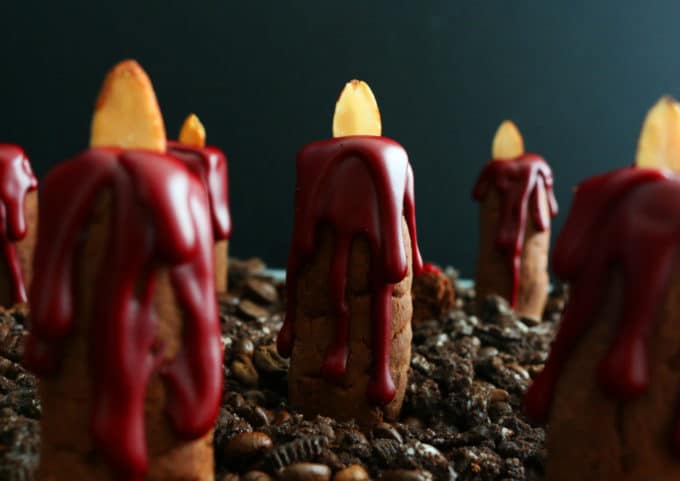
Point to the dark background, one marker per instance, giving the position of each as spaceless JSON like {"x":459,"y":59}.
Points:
{"x":577,"y":77}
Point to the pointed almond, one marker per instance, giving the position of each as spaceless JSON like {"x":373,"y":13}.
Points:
{"x":192,"y":132}
{"x":659,"y":143}
{"x":507,"y":143}
{"x":356,"y":111}
{"x":127,"y":113}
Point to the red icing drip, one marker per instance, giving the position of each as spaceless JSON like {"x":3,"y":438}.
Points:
{"x":16,"y":180}
{"x":359,"y":186}
{"x":628,"y":219}
{"x":210,"y":164}
{"x":429,"y":268}
{"x":161,"y":218}
{"x":518,"y":182}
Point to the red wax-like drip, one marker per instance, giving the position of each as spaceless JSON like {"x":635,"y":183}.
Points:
{"x":210,"y":164}
{"x":16,"y":180}
{"x":359,"y":186}
{"x":628,"y":220}
{"x":161,"y":218}
{"x":519,"y":183}
{"x":429,"y":268}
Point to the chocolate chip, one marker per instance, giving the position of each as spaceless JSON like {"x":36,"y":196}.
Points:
{"x":305,"y":472}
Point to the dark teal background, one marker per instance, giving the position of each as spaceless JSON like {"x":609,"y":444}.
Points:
{"x":577,"y":77}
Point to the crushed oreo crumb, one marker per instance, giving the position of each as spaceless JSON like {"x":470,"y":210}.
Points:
{"x":461,"y":420}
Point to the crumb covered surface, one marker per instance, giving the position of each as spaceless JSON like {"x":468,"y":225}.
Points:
{"x":461,"y":418}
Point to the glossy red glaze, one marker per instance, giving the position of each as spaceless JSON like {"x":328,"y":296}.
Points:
{"x":429,"y":268}
{"x":16,"y":180}
{"x":626,"y":221}
{"x":358,"y":186}
{"x":210,"y":164}
{"x":161,"y":218}
{"x":518,"y":182}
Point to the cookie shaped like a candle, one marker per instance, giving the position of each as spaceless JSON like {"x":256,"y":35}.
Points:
{"x":353,"y":254}
{"x":124,"y":329}
{"x":516,"y":204}
{"x":609,"y":388}
{"x":210,"y":165}
{"x":18,"y":223}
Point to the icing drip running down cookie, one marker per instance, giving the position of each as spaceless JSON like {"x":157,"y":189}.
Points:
{"x":611,"y":377}
{"x":19,"y":208}
{"x":210,"y":165}
{"x":353,"y":256}
{"x":516,"y":204}
{"x":124,"y":328}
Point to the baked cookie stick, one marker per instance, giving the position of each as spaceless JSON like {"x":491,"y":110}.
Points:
{"x":353,"y":255}
{"x":516,"y":204}
{"x":124,"y":328}
{"x":609,"y":388}
{"x":210,"y":164}
{"x":18,"y":223}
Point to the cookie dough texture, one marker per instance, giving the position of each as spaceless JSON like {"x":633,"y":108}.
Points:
{"x":24,"y":249}
{"x":67,"y":451}
{"x":494,"y":270}
{"x":315,"y":327}
{"x":592,"y":437}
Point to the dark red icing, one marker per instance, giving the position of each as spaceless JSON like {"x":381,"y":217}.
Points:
{"x":16,"y":180}
{"x":429,"y":268}
{"x":359,"y":186}
{"x":161,"y":218}
{"x":210,"y":164}
{"x":626,"y":221}
{"x":518,"y":182}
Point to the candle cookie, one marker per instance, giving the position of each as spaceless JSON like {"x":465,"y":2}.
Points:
{"x":516,"y":204}
{"x":19,"y":207}
{"x":609,"y":386}
{"x":210,"y":165}
{"x":353,"y":256}
{"x":124,"y":329}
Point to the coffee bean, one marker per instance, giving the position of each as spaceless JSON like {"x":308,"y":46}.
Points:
{"x":244,"y":371}
{"x":305,"y":472}
{"x":387,"y":431}
{"x":281,"y":417}
{"x":488,"y":351}
{"x":259,"y":417}
{"x":354,"y":472}
{"x":406,"y":475}
{"x":414,"y":422}
{"x":229,"y":477}
{"x":243,"y":347}
{"x":498,"y":395}
{"x":251,"y":310}
{"x":267,"y":360}
{"x":255,"y":396}
{"x":234,"y":399}
{"x":524,"y":374}
{"x":261,"y":291}
{"x":256,"y":476}
{"x":244,"y":448}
